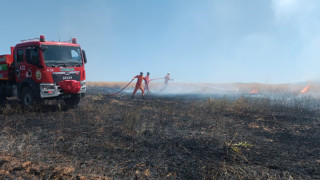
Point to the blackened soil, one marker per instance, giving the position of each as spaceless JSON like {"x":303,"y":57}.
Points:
{"x":160,"y":138}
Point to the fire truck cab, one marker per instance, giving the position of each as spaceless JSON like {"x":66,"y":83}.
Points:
{"x":38,"y":70}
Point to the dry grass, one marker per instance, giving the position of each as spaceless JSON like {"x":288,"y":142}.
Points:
{"x":115,"y":86}
{"x":311,"y":88}
{"x":108,"y":84}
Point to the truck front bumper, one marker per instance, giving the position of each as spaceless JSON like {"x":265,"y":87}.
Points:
{"x":51,"y":90}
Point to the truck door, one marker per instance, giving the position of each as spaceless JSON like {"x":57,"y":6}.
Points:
{"x":20,"y":66}
{"x":32,"y":62}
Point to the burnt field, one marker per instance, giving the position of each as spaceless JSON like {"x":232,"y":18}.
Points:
{"x":163,"y":137}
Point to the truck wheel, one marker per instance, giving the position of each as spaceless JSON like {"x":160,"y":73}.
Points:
{"x":27,"y":98}
{"x":73,"y":101}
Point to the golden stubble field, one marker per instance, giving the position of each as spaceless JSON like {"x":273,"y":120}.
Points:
{"x":177,"y":87}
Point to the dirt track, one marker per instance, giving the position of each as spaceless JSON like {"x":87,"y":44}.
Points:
{"x":159,"y":138}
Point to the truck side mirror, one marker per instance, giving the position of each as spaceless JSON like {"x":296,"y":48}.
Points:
{"x":84,"y":56}
{"x":43,"y":48}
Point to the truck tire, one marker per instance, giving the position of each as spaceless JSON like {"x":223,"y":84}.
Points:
{"x":27,"y":98}
{"x":73,"y":101}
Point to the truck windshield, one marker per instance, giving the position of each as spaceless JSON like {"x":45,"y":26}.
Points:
{"x":61,"y":55}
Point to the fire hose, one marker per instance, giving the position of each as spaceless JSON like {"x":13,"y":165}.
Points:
{"x":127,"y":86}
{"x":120,"y":89}
{"x":156,"y":79}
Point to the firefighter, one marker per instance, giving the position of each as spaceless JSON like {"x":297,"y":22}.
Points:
{"x":138,"y":84}
{"x":147,"y":81}
{"x":166,"y":80}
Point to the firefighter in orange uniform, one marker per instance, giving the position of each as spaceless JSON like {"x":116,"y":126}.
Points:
{"x":139,"y":84}
{"x":147,"y":81}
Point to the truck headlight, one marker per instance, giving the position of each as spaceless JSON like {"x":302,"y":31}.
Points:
{"x":83,"y":83}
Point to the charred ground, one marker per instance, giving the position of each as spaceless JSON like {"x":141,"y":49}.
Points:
{"x":183,"y":137}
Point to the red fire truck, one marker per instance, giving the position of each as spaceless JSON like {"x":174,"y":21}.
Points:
{"x":38,"y":70}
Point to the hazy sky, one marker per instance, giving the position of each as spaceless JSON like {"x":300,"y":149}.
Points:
{"x":267,"y":41}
